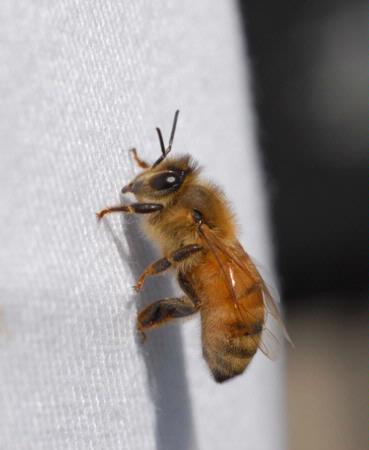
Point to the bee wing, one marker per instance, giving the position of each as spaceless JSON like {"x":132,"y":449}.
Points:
{"x":272,"y":308}
{"x":236,"y":254}
{"x":213,"y":243}
{"x":269,"y":344}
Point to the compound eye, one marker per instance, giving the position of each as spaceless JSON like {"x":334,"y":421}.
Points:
{"x":196,"y":214}
{"x":165,"y":181}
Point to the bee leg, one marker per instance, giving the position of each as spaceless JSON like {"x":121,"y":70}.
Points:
{"x":159,"y":266}
{"x":187,"y":288}
{"x":163,"y":264}
{"x":141,"y":163}
{"x":185,"y":252}
{"x":162,"y":311}
{"x":134,"y":208}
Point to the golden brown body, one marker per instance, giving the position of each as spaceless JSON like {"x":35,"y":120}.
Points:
{"x":231,"y":328}
{"x":230,"y":331}
{"x":191,"y":222}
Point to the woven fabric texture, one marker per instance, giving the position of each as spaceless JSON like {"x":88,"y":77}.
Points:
{"x":80,"y":83}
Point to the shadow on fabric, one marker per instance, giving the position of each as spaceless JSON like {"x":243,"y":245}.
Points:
{"x":162,"y":349}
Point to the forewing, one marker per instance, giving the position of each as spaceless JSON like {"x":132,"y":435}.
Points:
{"x":227,"y":256}
{"x":272,"y":308}
{"x":211,"y":242}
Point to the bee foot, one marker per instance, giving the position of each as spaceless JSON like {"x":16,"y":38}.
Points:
{"x":137,"y":287}
{"x":100,"y":215}
{"x":142,"y":334}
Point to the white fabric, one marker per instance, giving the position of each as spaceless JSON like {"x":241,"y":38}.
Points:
{"x":80,"y":83}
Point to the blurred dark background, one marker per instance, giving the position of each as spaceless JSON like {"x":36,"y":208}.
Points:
{"x":309,"y":63}
{"x":309,"y":82}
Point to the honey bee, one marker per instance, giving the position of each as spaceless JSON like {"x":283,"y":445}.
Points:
{"x":192,"y":222}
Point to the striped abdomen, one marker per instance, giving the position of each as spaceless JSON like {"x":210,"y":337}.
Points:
{"x":232,"y":314}
{"x":229,"y":353}
{"x":231,"y":332}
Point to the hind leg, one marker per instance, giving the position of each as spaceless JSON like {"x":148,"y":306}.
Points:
{"x":162,"y":311}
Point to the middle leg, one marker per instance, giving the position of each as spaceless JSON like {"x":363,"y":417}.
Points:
{"x":163,"y":264}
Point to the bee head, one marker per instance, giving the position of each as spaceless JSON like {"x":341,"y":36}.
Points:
{"x":166,"y":176}
{"x":162,"y":180}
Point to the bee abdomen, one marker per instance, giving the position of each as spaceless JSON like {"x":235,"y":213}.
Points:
{"x":230,"y":358}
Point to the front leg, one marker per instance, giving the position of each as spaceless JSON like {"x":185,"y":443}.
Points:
{"x":134,"y":208}
{"x":140,"y":162}
{"x":163,"y":264}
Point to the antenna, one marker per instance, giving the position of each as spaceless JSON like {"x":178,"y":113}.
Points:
{"x":161,"y":140}
{"x":164,"y":150}
{"x":173,"y":131}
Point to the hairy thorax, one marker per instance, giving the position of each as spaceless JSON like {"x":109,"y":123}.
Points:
{"x":175,"y":227}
